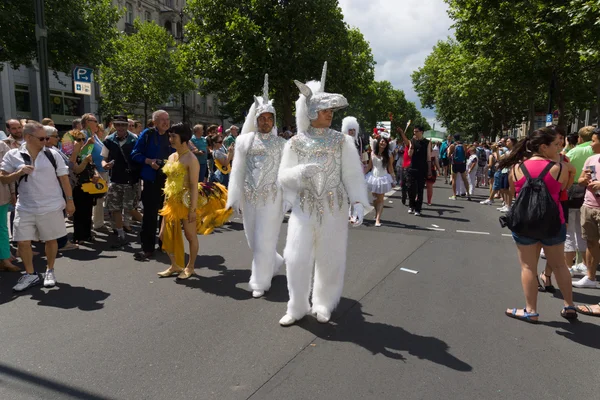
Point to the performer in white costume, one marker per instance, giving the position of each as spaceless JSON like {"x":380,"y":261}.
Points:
{"x":253,"y":189}
{"x":320,"y":170}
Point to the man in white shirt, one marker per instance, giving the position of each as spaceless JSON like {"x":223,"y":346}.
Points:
{"x":40,"y":204}
{"x":15,"y":133}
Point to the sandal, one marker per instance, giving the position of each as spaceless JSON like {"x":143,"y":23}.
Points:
{"x":525,"y":317}
{"x":588,"y":310}
{"x":543,"y":288}
{"x":569,"y":315}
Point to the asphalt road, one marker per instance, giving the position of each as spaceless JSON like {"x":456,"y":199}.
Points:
{"x":112,"y":330}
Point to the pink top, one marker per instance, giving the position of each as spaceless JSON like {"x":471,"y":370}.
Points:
{"x":591,"y":200}
{"x":535,"y":168}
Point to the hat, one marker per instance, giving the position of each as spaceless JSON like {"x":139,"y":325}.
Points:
{"x":120,"y":119}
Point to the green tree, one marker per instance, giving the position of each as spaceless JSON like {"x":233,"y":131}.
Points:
{"x":543,"y":41}
{"x":145,"y":68}
{"x":79,"y":32}
{"x":232,"y":44}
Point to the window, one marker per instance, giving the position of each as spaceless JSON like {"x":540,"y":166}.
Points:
{"x":169,"y":27}
{"x":216,"y":106}
{"x":22,"y":98}
{"x":204,"y":105}
{"x":129,"y":15}
{"x":148,"y":16}
{"x":65,"y":103}
{"x":179,"y":31}
{"x":169,"y":3}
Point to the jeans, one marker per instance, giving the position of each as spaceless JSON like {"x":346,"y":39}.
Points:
{"x":152,"y":199}
{"x":416,"y":184}
{"x":203,"y":171}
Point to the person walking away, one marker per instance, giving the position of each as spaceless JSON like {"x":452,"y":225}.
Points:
{"x":491,"y":172}
{"x":151,"y":150}
{"x":419,"y":170}
{"x":538,"y":170}
{"x":37,"y":218}
{"x":481,"y":165}
{"x":405,"y":164}
{"x":458,"y":159}
{"x":472,"y":169}
{"x":444,"y":159}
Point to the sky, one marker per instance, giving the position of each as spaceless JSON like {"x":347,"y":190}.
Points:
{"x":401,"y":34}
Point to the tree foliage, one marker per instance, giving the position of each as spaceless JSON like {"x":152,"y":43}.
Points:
{"x":506,"y":55}
{"x":79,"y":32}
{"x":232,"y":44}
{"x":145,"y":68}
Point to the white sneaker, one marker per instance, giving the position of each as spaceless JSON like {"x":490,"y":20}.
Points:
{"x":258,"y":293}
{"x":580,"y":268}
{"x":585,"y":282}
{"x":411,"y":211}
{"x":49,"y":278}
{"x":504,"y":209}
{"x":287,"y":320}
{"x":487,"y":202}
{"x":417,"y":214}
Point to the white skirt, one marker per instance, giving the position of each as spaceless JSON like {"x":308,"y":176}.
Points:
{"x":380,"y":184}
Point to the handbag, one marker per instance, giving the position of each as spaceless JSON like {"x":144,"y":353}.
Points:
{"x":99,"y":187}
{"x":576,"y":195}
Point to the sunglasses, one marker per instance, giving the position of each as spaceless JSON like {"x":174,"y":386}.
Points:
{"x":43,"y":139}
{"x":79,"y":140}
{"x":92,"y":120}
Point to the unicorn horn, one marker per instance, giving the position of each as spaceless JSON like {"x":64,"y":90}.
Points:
{"x":323,"y":76}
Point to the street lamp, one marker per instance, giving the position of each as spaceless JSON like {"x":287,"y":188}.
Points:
{"x":181,"y":38}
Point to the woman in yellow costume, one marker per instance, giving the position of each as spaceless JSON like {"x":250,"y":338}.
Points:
{"x":199,"y":210}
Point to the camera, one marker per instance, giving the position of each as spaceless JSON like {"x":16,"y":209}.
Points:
{"x":160,"y":163}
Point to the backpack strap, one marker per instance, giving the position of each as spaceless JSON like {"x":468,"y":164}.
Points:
{"x":524,"y":170}
{"x":51,"y":158}
{"x":547,"y":169}
{"x":27,"y":160}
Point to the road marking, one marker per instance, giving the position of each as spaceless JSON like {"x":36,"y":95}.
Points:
{"x":435,"y":229}
{"x":507,"y":234}
{"x":409,"y":270}
{"x":435,"y":226}
{"x":474,"y":232}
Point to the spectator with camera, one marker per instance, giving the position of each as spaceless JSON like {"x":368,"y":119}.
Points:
{"x":150,"y":151}
{"x":124,"y":174}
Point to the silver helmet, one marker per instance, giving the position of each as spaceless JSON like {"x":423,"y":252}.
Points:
{"x":261,"y":105}
{"x":318,"y":100}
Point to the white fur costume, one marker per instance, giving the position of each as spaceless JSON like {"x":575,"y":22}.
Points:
{"x":320,"y":170}
{"x":253,"y":188}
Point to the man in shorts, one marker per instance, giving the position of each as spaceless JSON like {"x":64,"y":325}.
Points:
{"x":40,"y":204}
{"x":124,"y":186}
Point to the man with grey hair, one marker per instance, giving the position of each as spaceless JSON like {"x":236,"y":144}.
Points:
{"x":35,"y":169}
{"x":76,"y":124}
{"x":199,"y":146}
{"x":230,"y":139}
{"x":151,"y":150}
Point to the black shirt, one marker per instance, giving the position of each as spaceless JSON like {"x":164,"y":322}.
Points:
{"x":419,"y":156}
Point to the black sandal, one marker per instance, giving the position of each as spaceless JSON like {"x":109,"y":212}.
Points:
{"x":569,"y":315}
{"x":542,"y":288}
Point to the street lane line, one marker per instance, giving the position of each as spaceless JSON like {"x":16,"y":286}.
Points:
{"x":409,"y":270}
{"x":474,"y":232}
{"x":435,"y":229}
{"x":507,"y":234}
{"x":435,"y":226}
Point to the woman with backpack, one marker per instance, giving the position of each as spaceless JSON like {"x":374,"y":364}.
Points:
{"x":536,"y":219}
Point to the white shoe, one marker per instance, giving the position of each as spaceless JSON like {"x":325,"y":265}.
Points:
{"x":49,"y":278}
{"x":411,"y":211}
{"x":323,"y":319}
{"x":504,"y":209}
{"x":417,"y":214}
{"x":487,"y":202}
{"x":258,"y":293}
{"x":287,"y":320}
{"x":585,"y":282}
{"x":580,"y":268}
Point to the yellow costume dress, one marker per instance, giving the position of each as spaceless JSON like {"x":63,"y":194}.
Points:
{"x":211,"y":211}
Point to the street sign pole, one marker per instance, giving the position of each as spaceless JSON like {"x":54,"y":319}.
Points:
{"x":41,"y":36}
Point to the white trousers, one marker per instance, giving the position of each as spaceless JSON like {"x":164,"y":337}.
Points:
{"x":261,"y":226}
{"x":322,"y":246}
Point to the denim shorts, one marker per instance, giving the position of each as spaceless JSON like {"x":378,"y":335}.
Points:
{"x":500,"y":181}
{"x":558,"y":239}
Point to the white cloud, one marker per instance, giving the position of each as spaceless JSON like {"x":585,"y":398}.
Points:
{"x":401,"y":34}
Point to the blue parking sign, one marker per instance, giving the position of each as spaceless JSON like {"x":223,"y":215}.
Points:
{"x":82,"y":74}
